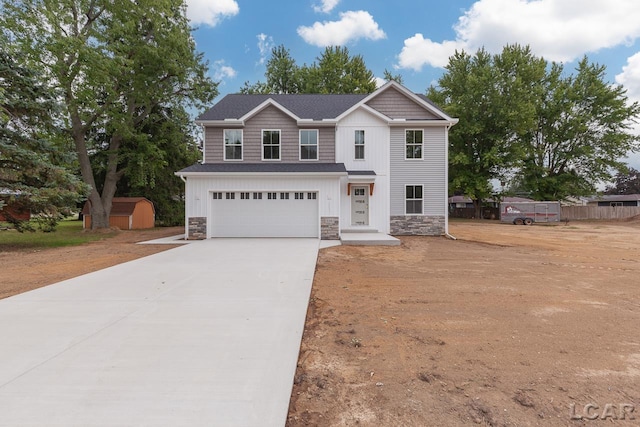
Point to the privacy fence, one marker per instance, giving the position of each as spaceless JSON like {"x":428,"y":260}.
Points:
{"x":599,"y":212}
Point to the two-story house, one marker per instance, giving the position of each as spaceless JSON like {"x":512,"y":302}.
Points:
{"x":299,"y":165}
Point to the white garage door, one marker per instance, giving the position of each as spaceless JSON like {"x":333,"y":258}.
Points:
{"x":264,"y":214}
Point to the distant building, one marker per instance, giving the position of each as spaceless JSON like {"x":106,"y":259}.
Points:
{"x":615,"y":200}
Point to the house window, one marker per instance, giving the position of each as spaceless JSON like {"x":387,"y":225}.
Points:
{"x":311,"y":196}
{"x":413,"y":199}
{"x":230,"y":196}
{"x":299,"y":196}
{"x":308,"y":145}
{"x":359,"y":145}
{"x":270,"y":145}
{"x":257,"y":196}
{"x":284,"y":196}
{"x":233,"y":144}
{"x":272,"y":196}
{"x":413,"y":144}
{"x":217,"y":196}
{"x":244,"y":196}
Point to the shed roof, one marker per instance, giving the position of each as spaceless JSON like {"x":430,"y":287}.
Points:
{"x":121,"y":206}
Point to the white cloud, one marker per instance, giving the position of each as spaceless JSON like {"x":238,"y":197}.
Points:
{"x":379,"y":81}
{"x":559,"y":30}
{"x":326,"y":6}
{"x":630,"y":77}
{"x":211,"y":12}
{"x":352,"y":26}
{"x":418,"y":52}
{"x":265,"y":44}
{"x":222,"y":71}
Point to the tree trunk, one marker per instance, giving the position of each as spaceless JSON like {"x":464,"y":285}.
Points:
{"x":477,"y":205}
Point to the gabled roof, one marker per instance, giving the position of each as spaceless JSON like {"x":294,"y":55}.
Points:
{"x":315,"y":107}
{"x":304,"y":106}
{"x":121,"y":206}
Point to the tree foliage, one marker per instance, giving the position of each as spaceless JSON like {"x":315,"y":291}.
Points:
{"x":491,"y":95}
{"x":625,"y":182}
{"x":33,"y":173}
{"x":114,"y":62}
{"x":522,"y":119}
{"x":334,"y":72}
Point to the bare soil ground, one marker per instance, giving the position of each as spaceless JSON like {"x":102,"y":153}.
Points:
{"x":507,"y":326}
{"x":22,"y":271}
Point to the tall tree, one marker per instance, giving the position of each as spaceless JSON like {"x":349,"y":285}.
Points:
{"x":625,"y":182}
{"x":389,"y":76}
{"x":583,"y":129}
{"x":113,"y":62}
{"x":492,"y":97}
{"x":32,"y":164}
{"x":335,"y":71}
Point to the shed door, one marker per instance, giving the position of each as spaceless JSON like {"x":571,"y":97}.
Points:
{"x":264,"y":214}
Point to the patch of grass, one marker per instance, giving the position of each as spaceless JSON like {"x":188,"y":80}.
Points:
{"x":68,"y":233}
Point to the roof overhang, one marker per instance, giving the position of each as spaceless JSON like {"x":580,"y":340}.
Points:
{"x":260,"y":174}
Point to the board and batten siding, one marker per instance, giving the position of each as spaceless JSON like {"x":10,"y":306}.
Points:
{"x":376,"y":158}
{"x":271,"y":118}
{"x":397,"y":106}
{"x":429,"y":172}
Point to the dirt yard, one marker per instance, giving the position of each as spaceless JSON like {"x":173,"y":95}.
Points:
{"x":22,"y":271}
{"x":507,"y":326}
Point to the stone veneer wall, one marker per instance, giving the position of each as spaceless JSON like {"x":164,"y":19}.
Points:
{"x":330,"y":228}
{"x":197,"y":228}
{"x":417,"y":225}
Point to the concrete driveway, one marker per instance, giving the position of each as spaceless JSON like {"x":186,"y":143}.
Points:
{"x":206,"y":334}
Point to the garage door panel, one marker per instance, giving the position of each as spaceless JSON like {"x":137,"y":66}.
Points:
{"x":264,"y":217}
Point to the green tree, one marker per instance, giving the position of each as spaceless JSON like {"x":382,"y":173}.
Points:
{"x":32,"y":165}
{"x":625,"y":182}
{"x":334,"y":72}
{"x":583,"y":129}
{"x":113,"y":62}
{"x":388,"y":76}
{"x":494,"y":98}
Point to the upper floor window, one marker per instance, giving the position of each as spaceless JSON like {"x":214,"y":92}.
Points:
{"x":233,"y":144}
{"x":359,"y":145}
{"x":270,"y":145}
{"x":413,"y":144}
{"x":308,"y":145}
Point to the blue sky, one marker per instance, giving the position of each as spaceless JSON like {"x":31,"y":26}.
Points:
{"x":414,"y":38}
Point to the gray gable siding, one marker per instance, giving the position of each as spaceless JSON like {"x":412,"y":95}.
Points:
{"x":429,"y":172}
{"x":269,"y":118}
{"x":397,"y":106}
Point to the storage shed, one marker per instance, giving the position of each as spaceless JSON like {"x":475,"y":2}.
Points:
{"x":127,"y":213}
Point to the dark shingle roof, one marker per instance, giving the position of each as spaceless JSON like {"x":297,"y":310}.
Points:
{"x":266,"y":167}
{"x":305,"y":106}
{"x":362,"y":173}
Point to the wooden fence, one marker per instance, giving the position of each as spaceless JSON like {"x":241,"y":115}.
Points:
{"x":599,"y":212}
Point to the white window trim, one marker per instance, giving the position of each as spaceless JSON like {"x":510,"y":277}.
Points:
{"x":300,"y":145}
{"x":405,"y":199}
{"x":262,"y":144}
{"x":421,"y":146}
{"x":355,"y":144}
{"x":224,"y":146}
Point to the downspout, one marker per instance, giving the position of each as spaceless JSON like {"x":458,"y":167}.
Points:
{"x":446,"y":183}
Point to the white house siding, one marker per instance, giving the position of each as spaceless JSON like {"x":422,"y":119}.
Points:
{"x":199,"y":191}
{"x":429,"y":172}
{"x":376,"y":159}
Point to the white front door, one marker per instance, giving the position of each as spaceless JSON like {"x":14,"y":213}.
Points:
{"x":359,"y":206}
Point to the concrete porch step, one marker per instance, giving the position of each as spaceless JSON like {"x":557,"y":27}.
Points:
{"x":359,"y":230}
{"x":368,"y":239}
